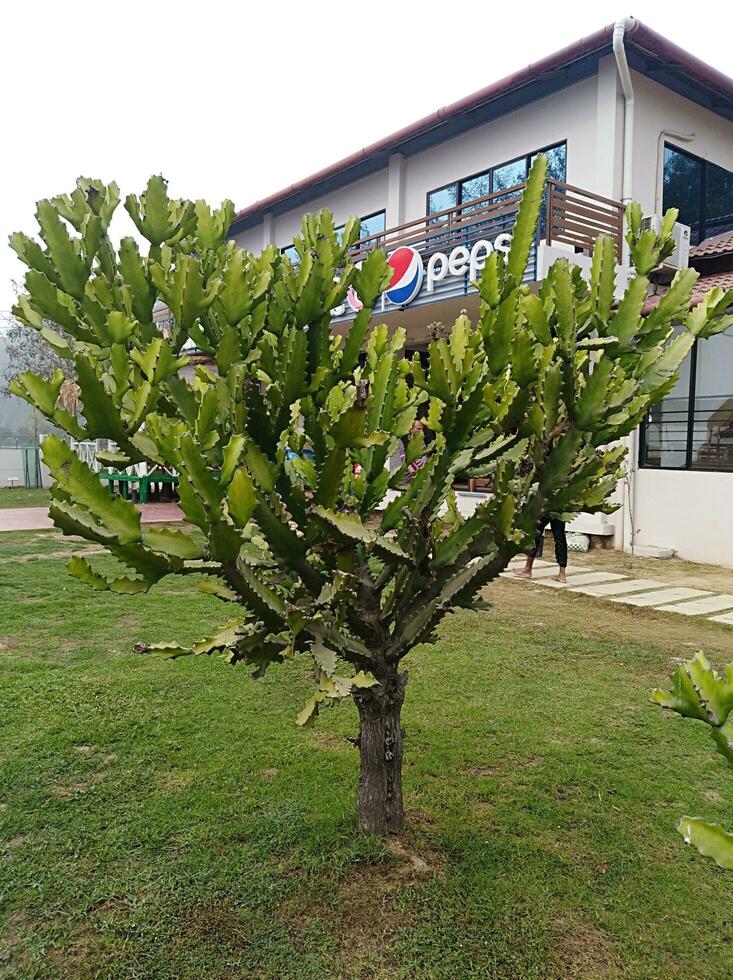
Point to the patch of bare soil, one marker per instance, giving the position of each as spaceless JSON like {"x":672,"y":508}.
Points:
{"x":218,"y":923}
{"x":713,"y":578}
{"x":487,"y":772}
{"x":363,"y":909}
{"x":13,"y":946}
{"x":583,"y":951}
{"x":66,"y":790}
{"x":536,"y":607}
{"x":330,"y":740}
{"x":92,"y":550}
{"x":72,"y":960}
{"x":177,"y":779}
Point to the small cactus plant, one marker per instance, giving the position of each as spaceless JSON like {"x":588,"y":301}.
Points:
{"x":700,"y":692}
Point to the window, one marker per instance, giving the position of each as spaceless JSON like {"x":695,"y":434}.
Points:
{"x":692,"y":427}
{"x":291,"y":252}
{"x":702,"y":191}
{"x":497,"y":179}
{"x":373,"y":224}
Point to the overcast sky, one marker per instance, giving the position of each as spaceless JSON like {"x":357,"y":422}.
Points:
{"x":240,"y":99}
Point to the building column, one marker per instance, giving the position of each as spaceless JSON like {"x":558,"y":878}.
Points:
{"x":395,"y":190}
{"x":609,"y":130}
{"x":268,"y":229}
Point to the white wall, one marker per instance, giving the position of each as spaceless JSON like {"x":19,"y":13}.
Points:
{"x":588,"y":115}
{"x":361,"y":198}
{"x":658,"y":110}
{"x":691,"y":512}
{"x":568,"y":115}
{"x":11,"y":464}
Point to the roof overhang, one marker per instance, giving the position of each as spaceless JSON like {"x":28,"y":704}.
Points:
{"x":648,"y":53}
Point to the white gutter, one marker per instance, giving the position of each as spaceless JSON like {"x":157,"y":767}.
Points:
{"x":619,"y":29}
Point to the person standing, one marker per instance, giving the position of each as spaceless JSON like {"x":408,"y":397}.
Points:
{"x":561,"y":548}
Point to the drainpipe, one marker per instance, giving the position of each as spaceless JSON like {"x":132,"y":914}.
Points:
{"x":620,"y":27}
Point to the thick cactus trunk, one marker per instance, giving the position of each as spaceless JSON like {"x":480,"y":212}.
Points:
{"x":379,"y":805}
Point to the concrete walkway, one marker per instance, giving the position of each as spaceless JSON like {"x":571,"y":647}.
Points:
{"x":37,"y":519}
{"x":644,"y":592}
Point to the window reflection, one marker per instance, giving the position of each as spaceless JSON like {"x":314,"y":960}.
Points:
{"x":701,"y":190}
{"x":372,"y":225}
{"x":712,"y":420}
{"x":510,"y":174}
{"x":500,"y":178}
{"x":718,"y":200}
{"x":692,"y":427}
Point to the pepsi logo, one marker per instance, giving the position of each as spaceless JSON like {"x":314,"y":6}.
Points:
{"x":407,"y":274}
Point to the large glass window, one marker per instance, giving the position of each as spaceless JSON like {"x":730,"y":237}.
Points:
{"x":692,"y":427}
{"x":702,"y":191}
{"x":442,"y":199}
{"x":509,"y":174}
{"x":373,"y":224}
{"x":497,"y":179}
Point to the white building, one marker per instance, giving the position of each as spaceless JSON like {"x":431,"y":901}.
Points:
{"x":622,"y":114}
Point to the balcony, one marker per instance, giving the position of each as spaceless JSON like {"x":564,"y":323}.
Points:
{"x":570,"y":217}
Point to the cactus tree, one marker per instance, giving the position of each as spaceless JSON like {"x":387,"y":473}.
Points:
{"x":294,"y":517}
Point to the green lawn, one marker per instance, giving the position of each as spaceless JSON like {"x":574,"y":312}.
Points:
{"x":23,"y":497}
{"x":168,"y":820}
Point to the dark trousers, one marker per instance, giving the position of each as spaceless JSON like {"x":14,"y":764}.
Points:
{"x":558,"y":532}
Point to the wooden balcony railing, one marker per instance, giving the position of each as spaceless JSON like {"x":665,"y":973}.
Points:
{"x":577,"y":217}
{"x":569,"y":215}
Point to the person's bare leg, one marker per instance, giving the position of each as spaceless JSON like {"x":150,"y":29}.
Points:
{"x":526,"y":572}
{"x":560,"y":577}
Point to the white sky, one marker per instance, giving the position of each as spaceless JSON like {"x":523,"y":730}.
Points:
{"x":240,"y":99}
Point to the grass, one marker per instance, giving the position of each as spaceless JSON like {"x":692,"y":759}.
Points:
{"x":23,"y":497}
{"x":168,"y":820}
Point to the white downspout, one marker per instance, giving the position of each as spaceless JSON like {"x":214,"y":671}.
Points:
{"x":619,"y":29}
{"x":619,"y":52}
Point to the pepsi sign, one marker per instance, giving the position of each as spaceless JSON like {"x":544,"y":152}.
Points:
{"x":407,"y":275}
{"x":408,"y":272}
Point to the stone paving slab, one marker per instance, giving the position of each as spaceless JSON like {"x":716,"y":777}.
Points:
{"x":726,"y":618}
{"x":583,"y":578}
{"x":520,"y":559}
{"x":661,"y":597}
{"x":709,"y":604}
{"x":618,"y":588}
{"x":546,"y":571}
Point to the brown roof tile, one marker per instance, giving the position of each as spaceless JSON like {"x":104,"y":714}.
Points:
{"x":717,"y":245}
{"x":702,"y":286}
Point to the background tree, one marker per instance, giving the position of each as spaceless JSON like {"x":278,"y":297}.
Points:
{"x":25,"y":349}
{"x":299,"y":543}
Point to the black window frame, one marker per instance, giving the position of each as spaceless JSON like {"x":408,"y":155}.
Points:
{"x":460,"y":181}
{"x":687,"y":467}
{"x":702,"y":217}
{"x":374,"y":214}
